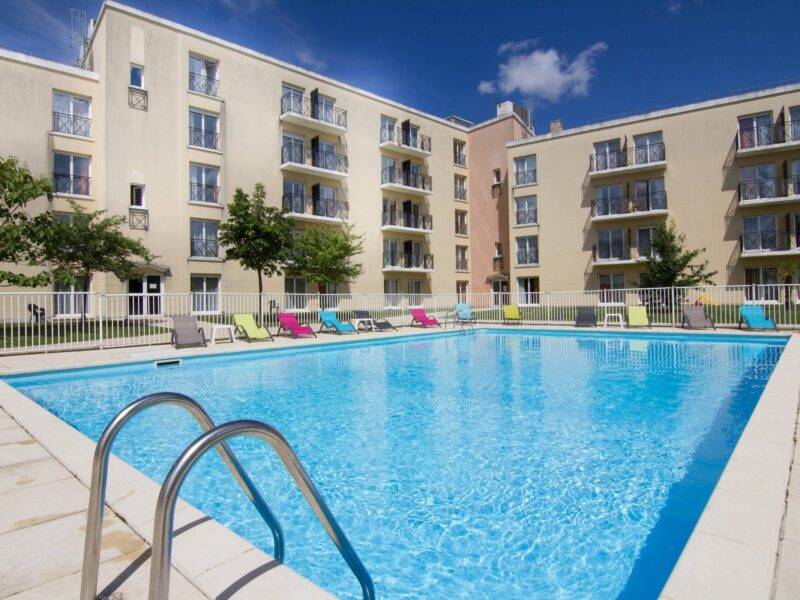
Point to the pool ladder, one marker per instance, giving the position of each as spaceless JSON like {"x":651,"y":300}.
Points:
{"x":213,"y":437}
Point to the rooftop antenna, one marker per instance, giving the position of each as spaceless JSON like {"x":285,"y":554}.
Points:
{"x":77,"y":32}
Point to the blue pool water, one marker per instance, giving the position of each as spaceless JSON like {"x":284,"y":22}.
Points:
{"x":513,"y":465}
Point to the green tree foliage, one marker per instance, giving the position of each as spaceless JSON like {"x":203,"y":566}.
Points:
{"x":671,"y":265}
{"x":323,"y":255}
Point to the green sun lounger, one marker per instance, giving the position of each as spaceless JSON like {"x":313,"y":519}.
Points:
{"x":247,"y":327}
{"x":637,"y":316}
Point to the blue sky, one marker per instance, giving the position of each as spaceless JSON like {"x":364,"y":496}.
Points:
{"x":582,"y":61}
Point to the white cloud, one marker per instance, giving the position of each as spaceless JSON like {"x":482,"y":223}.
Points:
{"x":547,"y":74}
{"x":516,"y":47}
{"x":487,"y":87}
{"x":244,"y":6}
{"x":674,"y":7}
{"x":308,"y":58}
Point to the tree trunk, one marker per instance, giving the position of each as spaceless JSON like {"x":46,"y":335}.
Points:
{"x":260,"y":299}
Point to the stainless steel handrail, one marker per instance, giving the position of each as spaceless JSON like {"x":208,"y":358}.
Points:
{"x":94,"y":521}
{"x":165,"y":506}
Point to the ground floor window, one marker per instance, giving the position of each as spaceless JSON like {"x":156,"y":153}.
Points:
{"x":204,"y":291}
{"x":71,"y":300}
{"x":391,"y":292}
{"x":461,"y":291}
{"x":415,"y":292}
{"x":528,"y":290}
{"x":144,"y":295}
{"x":761,"y":284}
{"x":500,"y":294}
{"x":611,"y":287}
{"x":295,"y":292}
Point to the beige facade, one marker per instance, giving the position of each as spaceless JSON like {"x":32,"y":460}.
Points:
{"x":727,"y":171}
{"x":178,"y":120}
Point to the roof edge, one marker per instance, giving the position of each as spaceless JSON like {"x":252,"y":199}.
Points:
{"x":49,"y":65}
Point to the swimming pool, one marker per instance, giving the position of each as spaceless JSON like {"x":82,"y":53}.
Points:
{"x":521,"y":465}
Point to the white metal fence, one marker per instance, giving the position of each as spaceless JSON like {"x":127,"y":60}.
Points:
{"x":48,"y":321}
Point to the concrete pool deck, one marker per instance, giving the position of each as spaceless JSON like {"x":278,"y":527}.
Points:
{"x":745,"y":545}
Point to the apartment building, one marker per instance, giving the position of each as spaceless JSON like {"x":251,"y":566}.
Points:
{"x":585,"y":200}
{"x":163,"y":123}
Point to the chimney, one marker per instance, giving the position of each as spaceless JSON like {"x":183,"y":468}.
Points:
{"x":556,"y":126}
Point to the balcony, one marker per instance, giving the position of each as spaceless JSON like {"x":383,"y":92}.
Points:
{"x":625,"y":207}
{"x":460,"y":159}
{"x":637,"y":158}
{"x":303,"y":159}
{"x":75,"y":185}
{"x":405,"y":142}
{"x":619,"y":253}
{"x":397,"y":180}
{"x":204,"y":85}
{"x":301,"y":110}
{"x":526,"y":217}
{"x":525,"y":177}
{"x":527,"y":258}
{"x":770,"y":243}
{"x":202,"y":138}
{"x":397,"y":220}
{"x":498,"y":264}
{"x":461,"y":229}
{"x":407,"y":262}
{"x":138,"y":218}
{"x":308,"y":208}
{"x":204,"y":248}
{"x":770,"y":138}
{"x":137,"y":98}
{"x":202,"y":193}
{"x":460,"y":193}
{"x":462,"y":264}
{"x":759,"y":192}
{"x":72,"y":125}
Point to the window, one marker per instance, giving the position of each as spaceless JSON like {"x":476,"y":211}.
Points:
{"x":757,"y":181}
{"x":411,"y":135}
{"x":500,"y":295}
{"x":461,"y":258}
{"x":460,"y":152}
{"x":759,"y":233}
{"x":295,"y":290}
{"x":388,"y":129}
{"x":204,"y":290}
{"x":71,"y":174}
{"x":325,"y":202}
{"x":71,"y":114}
{"x":794,"y":123}
{"x":460,"y":187}
{"x":498,"y":250}
{"x":294,"y":199}
{"x":391,"y":292}
{"x":291,"y":99}
{"x":644,"y":242}
{"x":528,"y":290}
{"x":325,"y":109}
{"x":528,"y":250}
{"x":461,"y":291}
{"x":70,"y":300}
{"x":137,"y":195}
{"x":612,"y":288}
{"x":203,"y":130}
{"x":610,"y":245}
{"x":525,"y":211}
{"x":608,"y":200}
{"x":137,"y":76}
{"x":497,"y":177}
{"x":203,"y":75}
{"x":755,"y":130}
{"x":607,"y":155}
{"x":414,"y":292}
{"x":203,"y":238}
{"x":649,"y":194}
{"x":293,"y":149}
{"x":461,"y":222}
{"x":203,"y":183}
{"x":762,"y":284}
{"x":648,"y":148}
{"x":794,"y":183}
{"x":525,"y":169}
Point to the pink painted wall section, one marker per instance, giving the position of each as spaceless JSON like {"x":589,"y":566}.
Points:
{"x":488,"y":213}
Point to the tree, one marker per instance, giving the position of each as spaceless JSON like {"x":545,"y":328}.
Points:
{"x":670,"y":264}
{"x":256,"y":235}
{"x":785,"y":275}
{"x":89,"y":242}
{"x":20,"y":233}
{"x":323,"y":254}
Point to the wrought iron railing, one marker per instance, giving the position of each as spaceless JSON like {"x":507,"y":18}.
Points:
{"x":459,"y":158}
{"x":137,"y":98}
{"x":527,"y":217}
{"x":203,"y":138}
{"x":527,"y":257}
{"x":205,"y":85}
{"x":204,"y":247}
{"x":319,"y":207}
{"x":72,"y":124}
{"x":525,"y":177}
{"x":406,"y":138}
{"x":138,"y":218}
{"x":201,"y":192}
{"x":303,"y":105}
{"x":304,"y":155}
{"x":399,"y":218}
{"x":627,"y":157}
{"x":755,"y":189}
{"x":63,"y":183}
{"x":459,"y":193}
{"x":406,"y":178}
{"x":611,"y":251}
{"x":767,"y":135}
{"x":462,"y":264}
{"x":625,"y":205}
{"x":461,"y":228}
{"x":407,"y":260}
{"x":769,"y":241}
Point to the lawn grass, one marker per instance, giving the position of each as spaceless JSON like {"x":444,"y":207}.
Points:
{"x":50,"y":333}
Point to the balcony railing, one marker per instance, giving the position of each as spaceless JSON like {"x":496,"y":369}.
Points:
{"x":204,"y":85}
{"x":406,"y":138}
{"x":769,"y":241}
{"x":460,"y":193}
{"x":398,"y":218}
{"x":527,"y":257}
{"x":611,"y":251}
{"x":64,"y":183}
{"x":200,"y":192}
{"x":627,"y":157}
{"x":525,"y":177}
{"x":461,"y":229}
{"x":204,"y":248}
{"x":319,"y":207}
{"x":460,"y":159}
{"x":203,"y":138}
{"x":406,"y":178}
{"x":137,"y":98}
{"x":72,"y":124}
{"x":408,"y":260}
{"x":627,"y":205}
{"x":322,"y":159}
{"x":462,"y":264}
{"x":527,"y":217}
{"x":138,"y":218}
{"x":303,"y":105}
{"x":768,"y":135}
{"x":755,"y":189}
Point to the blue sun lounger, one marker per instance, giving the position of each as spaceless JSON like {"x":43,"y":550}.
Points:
{"x":328,"y":321}
{"x":752,"y":315}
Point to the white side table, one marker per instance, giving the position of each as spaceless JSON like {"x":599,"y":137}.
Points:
{"x":367,"y":323}
{"x":229,"y":329}
{"x":617,"y":316}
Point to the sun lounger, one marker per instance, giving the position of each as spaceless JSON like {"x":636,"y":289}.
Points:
{"x":464,"y":314}
{"x":695,"y":317}
{"x":419,"y":316}
{"x":328,"y":321}
{"x":638,"y":317}
{"x":586,"y":317}
{"x":753,"y":316}
{"x":288,"y":323}
{"x":247,"y":327}
{"x":186,"y":333}
{"x":381,"y":324}
{"x":511,"y":315}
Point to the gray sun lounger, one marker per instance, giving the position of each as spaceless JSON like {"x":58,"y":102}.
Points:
{"x":695,"y":317}
{"x":586,"y":317}
{"x":381,"y":324}
{"x":186,"y":333}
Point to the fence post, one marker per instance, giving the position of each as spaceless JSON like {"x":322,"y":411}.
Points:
{"x":100,"y":299}
{"x":547,"y":301}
